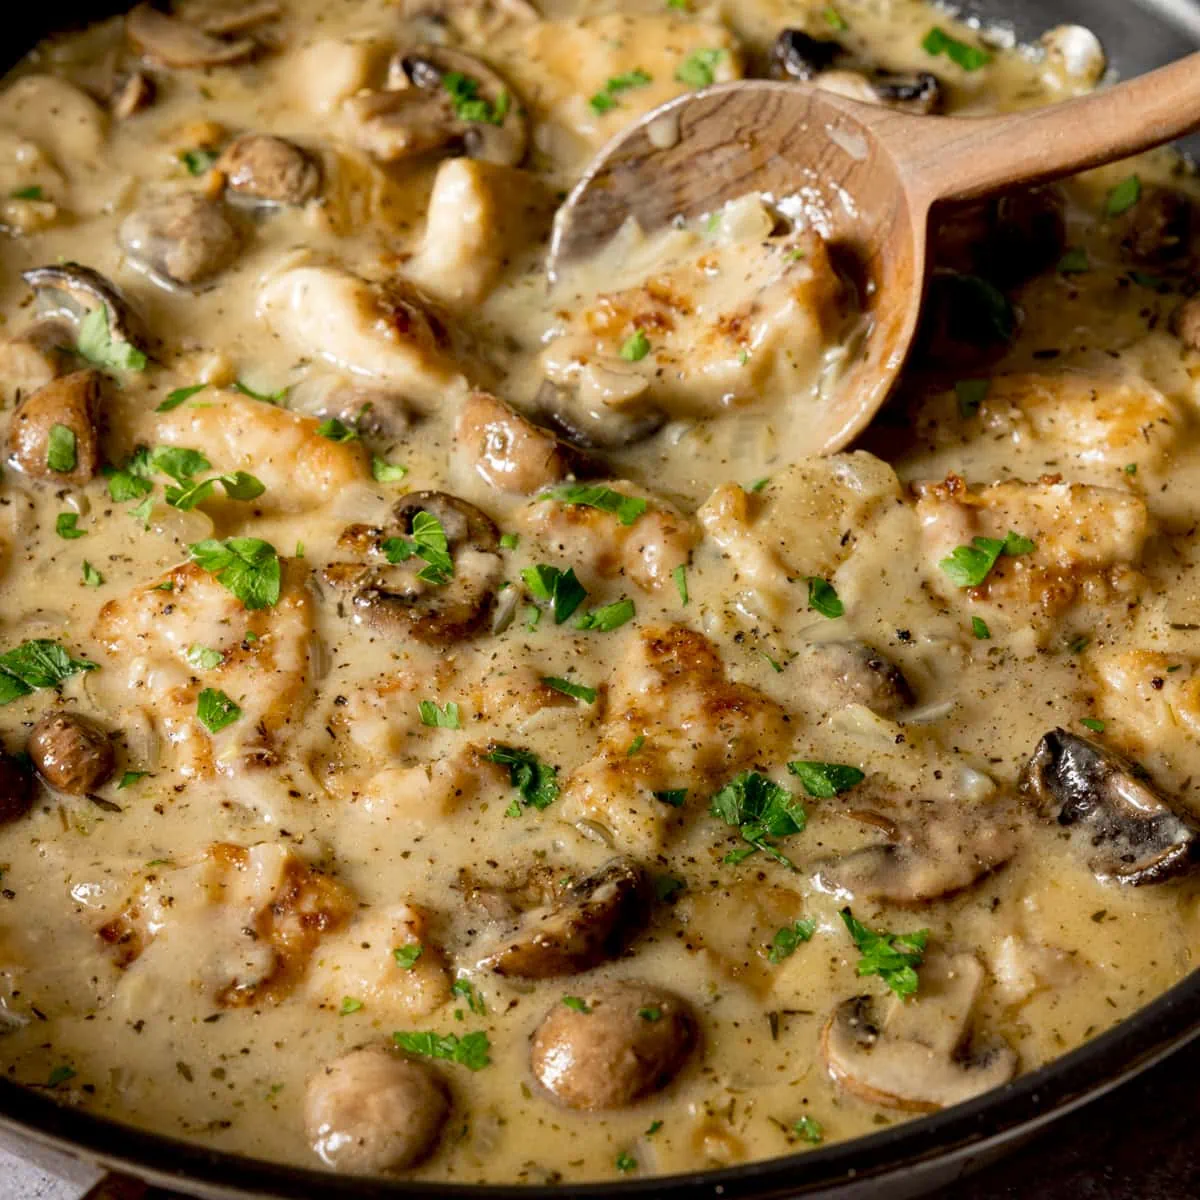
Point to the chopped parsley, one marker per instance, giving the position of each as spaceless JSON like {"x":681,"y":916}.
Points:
{"x":248,"y":567}
{"x":215,"y":710}
{"x":509,"y":541}
{"x":824,"y":780}
{"x":97,"y":344}
{"x":179,"y":396}
{"x":699,"y":68}
{"x":636,"y":745}
{"x":1074,"y":262}
{"x":535,"y":780}
{"x":60,"y":450}
{"x":60,"y":1075}
{"x":469,"y":105}
{"x":607,"y":617}
{"x":970,"y":58}
{"x":558,"y":588}
{"x":652,"y":1013}
{"x":66,"y":526}
{"x":759,"y":484}
{"x":1092,"y":723}
{"x":654,"y":1127}
{"x":383,"y":471}
{"x":606,"y":98}
{"x":91,"y":577}
{"x":675,"y":797}
{"x":979,"y":629}
{"x":470,"y":1051}
{"x":132,"y":481}
{"x":179,"y":462}
{"x":971,"y":394}
{"x":1075,"y":645}
{"x":239,"y":485}
{"x":635,"y":347}
{"x":428,"y":543}
{"x":626,"y":509}
{"x":626,"y":1162}
{"x":810,"y":1129}
{"x":1123,"y":197}
{"x":471,"y":994}
{"x":577,"y":1004}
{"x":40,"y":663}
{"x":198,"y":161}
{"x":666,"y":887}
{"x":823,"y":597}
{"x":439,"y":718}
{"x":894,"y":957}
{"x":349,"y":1005}
{"x":576,"y":691}
{"x":130,"y":778}
{"x":266,"y":397}
{"x":834,"y":19}
{"x":33,"y":192}
{"x":785,"y":941}
{"x":969,"y":566}
{"x":760,"y":809}
{"x":337,"y":431}
{"x":681,"y":584}
{"x":406,"y":956}
{"x":204,"y":658}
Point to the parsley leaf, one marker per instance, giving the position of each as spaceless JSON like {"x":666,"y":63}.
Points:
{"x":65,"y":525}
{"x":535,"y":780}
{"x":204,"y":658}
{"x":606,"y":98}
{"x":1092,"y":723}
{"x":198,"y":161}
{"x":681,"y":584}
{"x":429,"y":543}
{"x":626,"y":1162}
{"x":675,"y":797}
{"x":969,"y":566}
{"x":577,"y":1004}
{"x":785,"y":941}
{"x":823,"y":597}
{"x":470,"y":1051}
{"x":970,"y":58}
{"x":349,"y":1005}
{"x":469,"y":105}
{"x":834,"y":19}
{"x":894,"y":957}
{"x":560,"y":588}
{"x":337,"y":431}
{"x":179,"y":462}
{"x":699,"y":68}
{"x":575,"y":690}
{"x":60,"y":1075}
{"x":33,"y":192}
{"x":91,"y":577}
{"x":383,"y":471}
{"x":626,"y":508}
{"x":826,"y":780}
{"x":406,"y":956}
{"x":1123,"y":197}
{"x":971,"y":394}
{"x":60,"y":450}
{"x":810,"y":1129}
{"x":178,"y":396}
{"x":132,"y":481}
{"x":248,"y":567}
{"x":266,"y":397}
{"x":130,"y":778}
{"x":40,"y":663}
{"x":241,"y":485}
{"x":471,"y":994}
{"x":760,"y":809}
{"x":635,"y":347}
{"x":979,"y":629}
{"x":1074,"y":262}
{"x":607,"y":617}
{"x":97,"y":344}
{"x":215,"y":710}
{"x":438,"y":718}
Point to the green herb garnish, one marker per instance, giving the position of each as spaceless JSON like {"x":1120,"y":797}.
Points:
{"x":824,"y":780}
{"x":894,"y":957}
{"x":248,"y":567}
{"x":970,"y":58}
{"x":215,"y":710}
{"x":97,"y":344}
{"x":60,"y":450}
{"x":439,"y":718}
{"x":179,"y":396}
{"x":607,"y":617}
{"x":823,"y":597}
{"x":535,"y":780}
{"x":470,"y":1051}
{"x":40,"y":663}
{"x":606,"y":98}
{"x":428,"y":543}
{"x":760,"y":809}
{"x":1123,"y":197}
{"x":558,"y":588}
{"x":626,"y":509}
{"x":699,"y":68}
{"x":969,"y":566}
{"x":785,"y":941}
{"x":577,"y":691}
{"x":406,"y":956}
{"x":66,"y":526}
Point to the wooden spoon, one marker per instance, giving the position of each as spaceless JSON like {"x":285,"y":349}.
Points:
{"x":863,"y":176}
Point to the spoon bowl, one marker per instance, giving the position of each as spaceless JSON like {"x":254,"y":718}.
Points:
{"x":866,"y":178}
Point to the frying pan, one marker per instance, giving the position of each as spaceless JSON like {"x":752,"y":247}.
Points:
{"x":898,"y":1162}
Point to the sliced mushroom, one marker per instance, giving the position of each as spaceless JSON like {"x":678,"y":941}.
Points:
{"x":374,"y":411}
{"x":71,"y":402}
{"x":507,"y":451}
{"x":798,"y":55}
{"x":1159,"y":228}
{"x":170,"y":42}
{"x":626,"y":1040}
{"x":36,"y":356}
{"x":598,"y":426}
{"x":71,"y":753}
{"x":1118,"y":824}
{"x":70,"y":291}
{"x":1007,"y":239}
{"x":132,"y":94}
{"x":392,"y":598}
{"x":579,"y":928}
{"x":838,"y":674}
{"x":181,"y":240}
{"x":373,"y":1110}
{"x":269,"y":170}
{"x":942,"y":848}
{"x":918,"y":1055}
{"x":230,"y":16}
{"x":16,"y":788}
{"x":417,"y":112}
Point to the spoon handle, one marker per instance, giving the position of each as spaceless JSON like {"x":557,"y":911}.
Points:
{"x":959,"y":158}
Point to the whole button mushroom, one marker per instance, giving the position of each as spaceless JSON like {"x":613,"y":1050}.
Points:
{"x":269,"y":170}
{"x":180,"y":240}
{"x":16,"y":789}
{"x":71,"y":753}
{"x":623,"y":1042}
{"x":373,"y":1110}
{"x":54,"y":434}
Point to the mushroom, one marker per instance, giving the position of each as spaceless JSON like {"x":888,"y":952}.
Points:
{"x":1158,"y":228}
{"x":269,"y":170}
{"x":1007,"y":239}
{"x":507,"y":451}
{"x":70,"y":753}
{"x":373,"y":1110}
{"x":624,"y":1041}
{"x":920,"y":1055}
{"x":797,"y":55}
{"x":576,"y":929}
{"x":838,"y":674}
{"x":16,"y":788}
{"x":1185,"y":323}
{"x":230,"y":16}
{"x":436,"y":99}
{"x":944,"y":848}
{"x":393,"y":598}
{"x":1116,"y":822}
{"x":599,"y":426}
{"x":168,"y":41}
{"x":965,"y":322}
{"x":180,"y":240}
{"x":1074,"y":52}
{"x":37,"y":444}
{"x":70,"y":291}
{"x":132,"y":94}
{"x":373,"y":411}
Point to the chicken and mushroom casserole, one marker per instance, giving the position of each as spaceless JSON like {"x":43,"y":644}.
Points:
{"x":446,"y":731}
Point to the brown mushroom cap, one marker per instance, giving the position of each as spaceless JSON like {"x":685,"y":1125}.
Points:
{"x":71,"y":753}
{"x":269,"y":169}
{"x":71,"y":402}
{"x":69,"y":291}
{"x":373,"y":1110}
{"x":838,"y":674}
{"x":16,"y":788}
{"x":507,"y":451}
{"x":181,"y":240}
{"x":631,"y":1040}
{"x":1185,"y":323}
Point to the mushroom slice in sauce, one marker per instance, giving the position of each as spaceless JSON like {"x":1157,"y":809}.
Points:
{"x":373,"y":1110}
{"x":393,"y":599}
{"x":168,"y":41}
{"x":1117,"y":823}
{"x":71,"y":402}
{"x":918,"y":1055}
{"x":506,"y":450}
{"x":266,"y":169}
{"x":604,"y":426}
{"x":624,"y":1041}
{"x":180,"y":241}
{"x":70,"y":291}
{"x":71,"y":753}
{"x":577,"y":929}
{"x":437,"y":99}
{"x":16,"y":788}
{"x":838,"y":674}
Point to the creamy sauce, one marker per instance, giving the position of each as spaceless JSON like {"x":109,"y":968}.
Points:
{"x":191,"y":941}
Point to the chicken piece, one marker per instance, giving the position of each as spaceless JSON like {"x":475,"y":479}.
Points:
{"x":392,"y":332}
{"x":149,"y":631}
{"x":1021,"y":967}
{"x":802,"y":523}
{"x":55,"y":115}
{"x":299,"y":468}
{"x":422,"y":796}
{"x":647,"y":552}
{"x":240,"y":923}
{"x":699,"y":325}
{"x":1088,"y":540}
{"x":507,"y":451}
{"x":698,"y":729}
{"x":482,"y":216}
{"x":360,"y":961}
{"x":1150,"y":696}
{"x":329,"y":71}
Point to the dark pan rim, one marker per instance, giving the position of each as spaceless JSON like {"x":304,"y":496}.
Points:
{"x":968,"y":1129}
